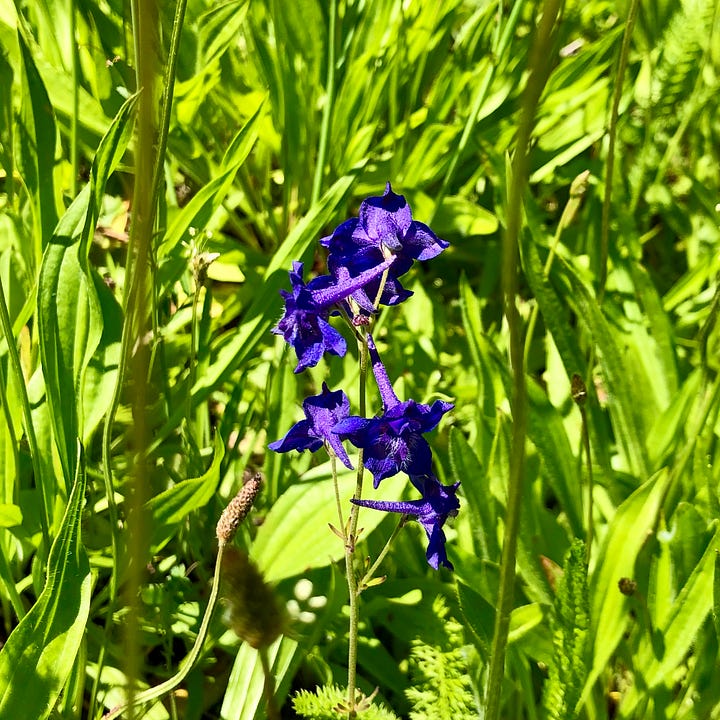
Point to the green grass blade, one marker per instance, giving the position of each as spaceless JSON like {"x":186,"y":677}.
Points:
{"x":630,"y":433}
{"x":37,"y":143}
{"x":627,"y":533}
{"x":40,"y":653}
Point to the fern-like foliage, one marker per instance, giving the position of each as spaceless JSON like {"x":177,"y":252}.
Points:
{"x":329,"y":702}
{"x":683,"y":44}
{"x":572,"y":608}
{"x":441,"y":687}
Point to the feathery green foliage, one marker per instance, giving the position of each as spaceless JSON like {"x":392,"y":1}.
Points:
{"x":570,"y":627}
{"x":440,"y":670}
{"x":326,"y":703}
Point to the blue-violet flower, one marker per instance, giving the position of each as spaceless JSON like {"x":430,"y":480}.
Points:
{"x":384,"y":227}
{"x":437,"y":504}
{"x":322,"y":412}
{"x":304,"y":324}
{"x":393,"y":442}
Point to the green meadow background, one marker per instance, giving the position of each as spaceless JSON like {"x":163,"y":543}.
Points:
{"x":161,"y":166}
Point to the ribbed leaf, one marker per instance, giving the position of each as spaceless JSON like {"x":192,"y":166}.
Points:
{"x":69,"y":313}
{"x":685,"y":617}
{"x":39,"y":655}
{"x":627,"y":533}
{"x":476,"y":488}
{"x":630,"y":433}
{"x":295,"y":535}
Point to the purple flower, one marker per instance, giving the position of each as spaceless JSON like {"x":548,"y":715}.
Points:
{"x":437,"y":504}
{"x":384,"y":227}
{"x":393,"y":442}
{"x":304,"y":324}
{"x":322,"y":412}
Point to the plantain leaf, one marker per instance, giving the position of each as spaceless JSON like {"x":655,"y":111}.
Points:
{"x":295,"y":535}
{"x":628,"y":531}
{"x":244,"y":699}
{"x":630,"y":433}
{"x":69,"y":312}
{"x":476,"y":488}
{"x":37,"y":144}
{"x":39,"y":655}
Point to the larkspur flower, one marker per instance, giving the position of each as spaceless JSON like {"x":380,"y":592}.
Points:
{"x":304,"y":324}
{"x":384,"y":227}
{"x":437,"y":504}
{"x":322,"y":412}
{"x":393,"y":442}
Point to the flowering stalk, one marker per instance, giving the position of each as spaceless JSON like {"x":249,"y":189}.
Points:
{"x":367,"y":256}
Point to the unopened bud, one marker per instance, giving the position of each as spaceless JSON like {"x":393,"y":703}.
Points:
{"x":237,"y":510}
{"x":578,"y":390}
{"x":627,"y":586}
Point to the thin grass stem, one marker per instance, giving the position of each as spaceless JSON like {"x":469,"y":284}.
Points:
{"x":328,"y":109}
{"x":612,"y":136}
{"x":154,"y":693}
{"x":540,"y":66}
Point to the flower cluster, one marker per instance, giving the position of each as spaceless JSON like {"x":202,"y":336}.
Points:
{"x":367,"y":256}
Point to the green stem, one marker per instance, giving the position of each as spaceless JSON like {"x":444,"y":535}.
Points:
{"x":327,"y":110}
{"x":577,"y":191}
{"x":350,"y":547}
{"x":16,"y":370}
{"x":158,"y":691}
{"x":612,"y":135}
{"x":540,"y":59}
{"x":338,"y":502}
{"x":363,"y":584}
{"x":129,"y":337}
{"x":76,"y":101}
{"x":590,"y":512}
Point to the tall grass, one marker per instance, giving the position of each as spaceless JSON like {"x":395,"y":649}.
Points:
{"x":160,"y":168}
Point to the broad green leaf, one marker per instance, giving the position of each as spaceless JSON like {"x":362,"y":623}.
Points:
{"x":627,"y":533}
{"x":69,"y":313}
{"x":168,"y":509}
{"x":10,"y":515}
{"x":40,"y":653}
{"x":295,"y":535}
{"x":244,"y":699}
{"x":554,"y":309}
{"x":685,"y":618}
